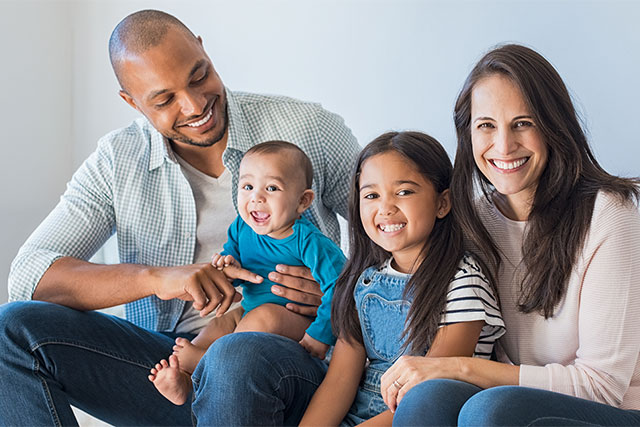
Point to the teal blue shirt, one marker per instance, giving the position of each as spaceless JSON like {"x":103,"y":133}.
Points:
{"x":306,"y":246}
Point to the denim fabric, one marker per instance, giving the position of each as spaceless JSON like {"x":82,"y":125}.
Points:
{"x":252,"y":379}
{"x":450,"y":403}
{"x":53,"y":356}
{"x":382,"y":312}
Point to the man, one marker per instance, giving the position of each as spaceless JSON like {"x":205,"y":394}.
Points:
{"x":166,"y":184}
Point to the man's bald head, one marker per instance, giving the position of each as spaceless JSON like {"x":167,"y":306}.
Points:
{"x":139,"y":32}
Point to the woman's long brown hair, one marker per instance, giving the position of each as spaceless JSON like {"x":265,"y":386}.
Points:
{"x":564,"y":200}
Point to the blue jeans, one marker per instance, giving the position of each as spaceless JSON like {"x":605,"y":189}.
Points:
{"x":450,"y":403}
{"x":52,"y":356}
{"x":253,"y":378}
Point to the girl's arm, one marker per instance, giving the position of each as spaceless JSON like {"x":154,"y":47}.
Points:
{"x":334,"y":397}
{"x":458,"y":339}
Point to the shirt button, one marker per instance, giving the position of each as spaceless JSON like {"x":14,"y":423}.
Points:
{"x":187,"y":234}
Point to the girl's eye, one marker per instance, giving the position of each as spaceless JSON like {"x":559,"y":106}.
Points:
{"x":272,"y":188}
{"x":247,"y":187}
{"x":404,"y":192}
{"x":371,"y":196}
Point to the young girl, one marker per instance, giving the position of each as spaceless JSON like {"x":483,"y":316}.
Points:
{"x":408,"y":287}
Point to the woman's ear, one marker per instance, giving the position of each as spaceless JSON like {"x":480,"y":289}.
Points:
{"x":305,"y":200}
{"x":444,"y":204}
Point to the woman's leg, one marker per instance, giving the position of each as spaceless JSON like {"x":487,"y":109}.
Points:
{"x":254,"y":378}
{"x":522,"y":406}
{"x":434,"y":402}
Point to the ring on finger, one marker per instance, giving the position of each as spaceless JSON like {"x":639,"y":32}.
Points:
{"x":396,"y":384}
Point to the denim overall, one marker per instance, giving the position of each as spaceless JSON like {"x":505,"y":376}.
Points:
{"x":382,"y":312}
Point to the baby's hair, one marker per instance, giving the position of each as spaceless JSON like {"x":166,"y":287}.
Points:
{"x":301,"y":159}
{"x":440,"y":254}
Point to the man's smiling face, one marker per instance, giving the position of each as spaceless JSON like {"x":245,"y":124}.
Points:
{"x":176,"y":87}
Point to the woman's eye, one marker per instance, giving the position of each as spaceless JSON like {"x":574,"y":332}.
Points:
{"x":247,"y":187}
{"x":523,"y":123}
{"x":485,"y":125}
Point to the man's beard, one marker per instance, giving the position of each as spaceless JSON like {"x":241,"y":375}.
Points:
{"x":176,"y":137}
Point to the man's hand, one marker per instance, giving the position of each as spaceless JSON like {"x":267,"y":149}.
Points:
{"x":203,"y":284}
{"x":297,"y":285}
{"x":314,"y":347}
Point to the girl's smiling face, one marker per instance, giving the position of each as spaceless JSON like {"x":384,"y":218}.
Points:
{"x":399,"y":207}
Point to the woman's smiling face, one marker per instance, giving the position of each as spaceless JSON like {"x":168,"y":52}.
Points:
{"x":508,"y":147}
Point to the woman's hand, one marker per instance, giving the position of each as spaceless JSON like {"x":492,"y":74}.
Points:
{"x":297,"y":285}
{"x":408,"y":371}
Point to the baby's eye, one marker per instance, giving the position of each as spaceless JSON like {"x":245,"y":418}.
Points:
{"x":272,"y":188}
{"x":405,"y":192}
{"x":247,"y":187}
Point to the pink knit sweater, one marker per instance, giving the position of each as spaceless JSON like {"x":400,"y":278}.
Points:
{"x":590,"y":348}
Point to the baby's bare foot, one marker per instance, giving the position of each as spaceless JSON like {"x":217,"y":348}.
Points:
{"x":188,"y":354}
{"x":170,"y":381}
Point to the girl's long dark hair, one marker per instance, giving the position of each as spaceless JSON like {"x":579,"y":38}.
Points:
{"x":440,"y":254}
{"x":565,"y":196}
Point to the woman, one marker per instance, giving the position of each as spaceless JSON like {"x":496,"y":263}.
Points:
{"x":561,"y":238}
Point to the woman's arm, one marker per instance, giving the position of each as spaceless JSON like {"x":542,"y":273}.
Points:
{"x":459,"y":340}
{"x":334,"y":397}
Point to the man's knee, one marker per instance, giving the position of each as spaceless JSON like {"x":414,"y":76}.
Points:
{"x":27,"y":319}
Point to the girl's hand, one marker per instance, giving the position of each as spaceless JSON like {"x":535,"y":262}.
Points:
{"x":314,"y":347}
{"x":408,"y":371}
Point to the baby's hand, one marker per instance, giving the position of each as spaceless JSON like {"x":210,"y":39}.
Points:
{"x":222,"y":261}
{"x":314,"y":347}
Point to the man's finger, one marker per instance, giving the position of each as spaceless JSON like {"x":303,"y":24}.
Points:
{"x":296,"y":283}
{"x":305,"y":310}
{"x":296,"y":296}
{"x":240,"y":273}
{"x":295,"y":270}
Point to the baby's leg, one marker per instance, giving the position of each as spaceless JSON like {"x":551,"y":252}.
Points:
{"x":190,"y":353}
{"x":275,"y":319}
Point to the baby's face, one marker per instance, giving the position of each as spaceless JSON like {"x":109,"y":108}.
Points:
{"x":270,"y":193}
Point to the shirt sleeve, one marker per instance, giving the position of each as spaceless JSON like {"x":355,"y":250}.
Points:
{"x":325,"y":259}
{"x":341,"y":149}
{"x":77,"y":227}
{"x":608,"y":316}
{"x":470,"y":298}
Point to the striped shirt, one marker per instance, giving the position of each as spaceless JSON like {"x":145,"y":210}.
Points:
{"x":590,"y":348}
{"x":469,"y":298}
{"x":133,"y":185}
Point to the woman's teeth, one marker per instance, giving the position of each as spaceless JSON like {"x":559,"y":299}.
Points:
{"x":510,"y":165}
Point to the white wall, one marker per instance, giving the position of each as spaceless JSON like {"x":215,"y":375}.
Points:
{"x":392,"y":64}
{"x":35,"y":116}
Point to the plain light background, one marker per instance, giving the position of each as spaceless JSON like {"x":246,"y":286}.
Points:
{"x":382,"y":65}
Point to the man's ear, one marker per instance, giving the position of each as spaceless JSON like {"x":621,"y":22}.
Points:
{"x":305,"y":200}
{"x":128,"y":99}
{"x":444,"y":204}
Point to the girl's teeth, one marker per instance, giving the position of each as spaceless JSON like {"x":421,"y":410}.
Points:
{"x":509,"y":165}
{"x":391,"y":227}
{"x":204,"y":120}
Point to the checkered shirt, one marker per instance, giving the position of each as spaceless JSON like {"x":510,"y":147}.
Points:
{"x":132,"y":185}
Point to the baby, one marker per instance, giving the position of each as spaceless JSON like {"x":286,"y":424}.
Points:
{"x":274,"y":189}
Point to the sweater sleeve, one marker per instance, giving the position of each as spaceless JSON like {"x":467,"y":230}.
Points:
{"x":608,"y":315}
{"x":325,"y":259}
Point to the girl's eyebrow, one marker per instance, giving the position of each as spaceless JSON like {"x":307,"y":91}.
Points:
{"x":399,"y":182}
